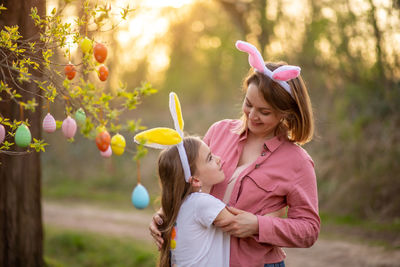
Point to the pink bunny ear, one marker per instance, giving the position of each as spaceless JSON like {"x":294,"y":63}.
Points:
{"x":286,"y":73}
{"x":255,"y":58}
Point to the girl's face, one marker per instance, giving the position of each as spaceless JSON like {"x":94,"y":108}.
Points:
{"x":262,"y":119}
{"x":208,"y":167}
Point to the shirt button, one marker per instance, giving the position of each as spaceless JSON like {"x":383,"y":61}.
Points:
{"x":263,"y":154}
{"x":257,"y":166}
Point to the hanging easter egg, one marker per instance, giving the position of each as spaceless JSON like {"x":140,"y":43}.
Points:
{"x":49,"y":123}
{"x":103,"y":73}
{"x":103,"y":140}
{"x":70,"y":71}
{"x":86,"y":45}
{"x":118,"y":144}
{"x":140,"y":197}
{"x":23,"y":136}
{"x":2,"y":133}
{"x":100,"y":52}
{"x":69,"y":127}
{"x":80,"y":116}
{"x":106,"y":153}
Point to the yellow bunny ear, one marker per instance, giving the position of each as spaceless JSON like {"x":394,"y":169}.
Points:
{"x":176,"y":111}
{"x":158,"y":138}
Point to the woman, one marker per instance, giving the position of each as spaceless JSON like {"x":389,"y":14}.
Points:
{"x":265,"y":168}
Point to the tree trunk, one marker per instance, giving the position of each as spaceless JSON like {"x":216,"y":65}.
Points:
{"x":21,"y":233}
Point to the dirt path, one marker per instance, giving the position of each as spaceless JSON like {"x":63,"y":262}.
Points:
{"x":324,"y":253}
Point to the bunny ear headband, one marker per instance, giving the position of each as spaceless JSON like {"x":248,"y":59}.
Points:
{"x":161,"y":138}
{"x":281,"y":75}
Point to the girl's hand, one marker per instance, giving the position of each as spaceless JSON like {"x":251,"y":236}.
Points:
{"x":243,"y":224}
{"x":153,"y":227}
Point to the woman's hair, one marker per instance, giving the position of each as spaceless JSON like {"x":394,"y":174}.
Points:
{"x":297,"y":122}
{"x":174,"y":189}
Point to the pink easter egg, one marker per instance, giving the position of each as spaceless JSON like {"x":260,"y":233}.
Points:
{"x":2,"y":133}
{"x":49,"y":123}
{"x":69,"y":127}
{"x":106,"y":153}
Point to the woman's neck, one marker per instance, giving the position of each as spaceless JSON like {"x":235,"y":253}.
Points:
{"x":260,"y":137}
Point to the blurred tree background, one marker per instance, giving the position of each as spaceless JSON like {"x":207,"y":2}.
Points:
{"x":349,"y":54}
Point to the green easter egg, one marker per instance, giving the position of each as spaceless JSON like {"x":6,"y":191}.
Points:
{"x":23,"y":136}
{"x":80,"y":116}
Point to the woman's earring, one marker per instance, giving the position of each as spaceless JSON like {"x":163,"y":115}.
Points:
{"x":200,"y":189}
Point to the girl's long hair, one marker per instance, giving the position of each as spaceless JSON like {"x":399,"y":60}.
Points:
{"x":174,"y":189}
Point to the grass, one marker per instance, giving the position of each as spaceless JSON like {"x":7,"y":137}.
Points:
{"x":73,"y":248}
{"x":377,"y":233}
{"x":92,"y":191}
{"x":354,"y":221}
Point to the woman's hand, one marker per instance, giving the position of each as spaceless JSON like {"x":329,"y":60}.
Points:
{"x":153,"y":227}
{"x":243,"y":224}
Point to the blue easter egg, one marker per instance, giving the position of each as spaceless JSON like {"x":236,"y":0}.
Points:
{"x":140,"y":197}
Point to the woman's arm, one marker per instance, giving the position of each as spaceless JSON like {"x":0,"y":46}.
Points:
{"x":224,"y":215}
{"x":153,"y":227}
{"x":302,"y":225}
{"x":240,"y":223}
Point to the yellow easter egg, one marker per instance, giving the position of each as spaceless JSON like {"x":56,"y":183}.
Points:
{"x":86,"y":45}
{"x":173,"y":244}
{"x":118,"y":144}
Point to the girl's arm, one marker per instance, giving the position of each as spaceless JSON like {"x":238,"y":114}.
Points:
{"x":224,"y":215}
{"x":241,"y":223}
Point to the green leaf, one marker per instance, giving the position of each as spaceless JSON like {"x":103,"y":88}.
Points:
{"x":6,"y":145}
{"x":38,"y":145}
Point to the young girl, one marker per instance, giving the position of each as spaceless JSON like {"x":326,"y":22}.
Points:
{"x":190,"y":237}
{"x":187,"y":171}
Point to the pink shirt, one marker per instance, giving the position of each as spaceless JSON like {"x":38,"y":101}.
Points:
{"x":283,"y":175}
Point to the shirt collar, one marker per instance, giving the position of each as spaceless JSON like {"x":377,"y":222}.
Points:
{"x":273,"y":143}
{"x":270,"y":144}
{"x":243,"y":136}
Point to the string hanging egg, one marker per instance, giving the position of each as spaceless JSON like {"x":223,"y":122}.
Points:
{"x":49,"y":123}
{"x":103,"y":140}
{"x":106,"y":153}
{"x":70,"y":71}
{"x":140,"y":197}
{"x":118,"y":144}
{"x":23,"y":136}
{"x":103,"y":73}
{"x":100,"y":52}
{"x":80,"y":116}
{"x":2,"y":133}
{"x":86,"y":45}
{"x":69,"y":127}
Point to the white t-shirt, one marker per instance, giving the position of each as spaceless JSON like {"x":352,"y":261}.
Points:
{"x":198,"y":242}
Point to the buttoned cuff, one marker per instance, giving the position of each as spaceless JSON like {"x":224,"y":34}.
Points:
{"x":265,"y":229}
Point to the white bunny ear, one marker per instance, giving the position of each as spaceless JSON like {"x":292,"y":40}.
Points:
{"x":176,"y":112}
{"x":286,"y":73}
{"x":255,"y":58}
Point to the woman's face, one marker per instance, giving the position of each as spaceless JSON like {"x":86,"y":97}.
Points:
{"x":208,"y":167}
{"x":262,"y":119}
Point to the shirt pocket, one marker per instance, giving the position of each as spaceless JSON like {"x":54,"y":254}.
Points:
{"x":258,"y":195}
